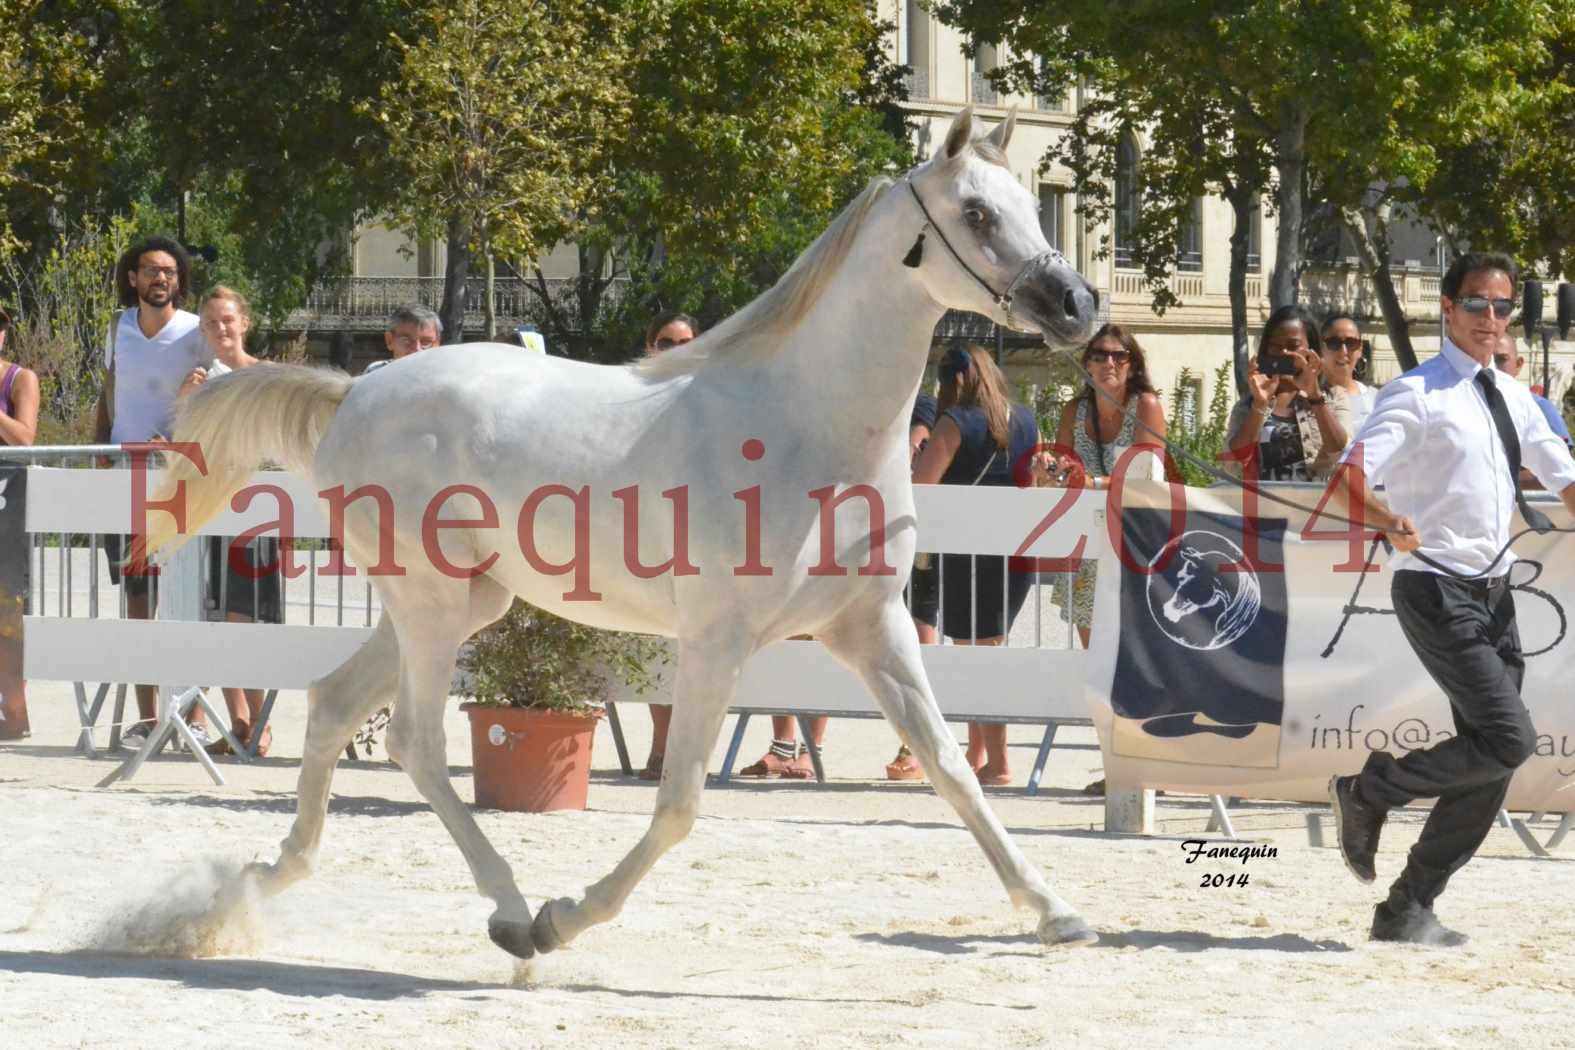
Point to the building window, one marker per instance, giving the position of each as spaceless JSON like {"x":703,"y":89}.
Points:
{"x":1191,"y":257}
{"x":1061,"y":103}
{"x":1255,"y":238}
{"x":918,"y":57}
{"x":983,"y":62}
{"x":1052,"y":215}
{"x":1127,"y":197}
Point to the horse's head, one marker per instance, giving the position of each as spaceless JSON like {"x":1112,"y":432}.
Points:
{"x":1195,"y":590}
{"x":984,"y":250}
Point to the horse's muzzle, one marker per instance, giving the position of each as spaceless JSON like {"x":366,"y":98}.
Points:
{"x":1056,"y":300}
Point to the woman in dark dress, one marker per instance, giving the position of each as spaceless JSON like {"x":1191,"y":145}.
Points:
{"x":979,"y":435}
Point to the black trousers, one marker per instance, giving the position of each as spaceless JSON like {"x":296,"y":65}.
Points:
{"x":1465,"y":634}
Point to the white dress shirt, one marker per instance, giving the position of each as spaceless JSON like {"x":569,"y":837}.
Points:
{"x":1430,"y":440}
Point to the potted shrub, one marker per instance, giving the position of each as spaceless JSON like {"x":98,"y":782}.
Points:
{"x":537,"y":685}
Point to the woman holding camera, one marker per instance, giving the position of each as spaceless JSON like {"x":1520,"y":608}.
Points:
{"x":1286,"y":422}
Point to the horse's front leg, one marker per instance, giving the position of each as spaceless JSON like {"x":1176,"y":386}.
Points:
{"x":883,"y":650}
{"x":705,"y":681}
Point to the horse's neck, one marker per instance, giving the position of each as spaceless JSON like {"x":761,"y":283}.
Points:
{"x":861,"y":348}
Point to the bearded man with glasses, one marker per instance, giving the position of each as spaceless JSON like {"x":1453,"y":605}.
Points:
{"x":1448,"y":439}
{"x":152,"y":347}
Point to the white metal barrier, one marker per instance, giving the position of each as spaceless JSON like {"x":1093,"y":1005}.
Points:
{"x":1035,"y":680}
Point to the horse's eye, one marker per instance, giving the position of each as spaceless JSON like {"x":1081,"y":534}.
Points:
{"x":975,"y":217}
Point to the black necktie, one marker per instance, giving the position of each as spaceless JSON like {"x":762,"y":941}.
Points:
{"x":1506,"y":433}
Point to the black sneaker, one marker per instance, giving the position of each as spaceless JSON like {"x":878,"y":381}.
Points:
{"x":1414,"y":925}
{"x":1357,"y":826}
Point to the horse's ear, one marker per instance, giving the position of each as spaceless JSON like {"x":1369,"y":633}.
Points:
{"x":961,"y":133}
{"x":1003,"y":131}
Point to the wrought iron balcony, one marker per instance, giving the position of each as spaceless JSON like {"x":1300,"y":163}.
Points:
{"x":918,"y":84}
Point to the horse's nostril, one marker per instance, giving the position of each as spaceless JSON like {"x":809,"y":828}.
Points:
{"x":1095,"y":293}
{"x":1069,"y":305}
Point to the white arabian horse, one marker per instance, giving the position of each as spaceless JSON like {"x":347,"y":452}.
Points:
{"x":807,"y":388}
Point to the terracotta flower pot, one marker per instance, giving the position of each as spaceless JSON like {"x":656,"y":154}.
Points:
{"x":530,"y":761}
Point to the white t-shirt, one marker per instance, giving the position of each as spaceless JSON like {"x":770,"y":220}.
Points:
{"x":149,"y":372}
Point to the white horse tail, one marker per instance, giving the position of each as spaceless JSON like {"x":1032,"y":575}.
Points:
{"x":271,"y":412}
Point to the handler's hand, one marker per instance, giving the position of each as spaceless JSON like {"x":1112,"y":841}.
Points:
{"x":1403,"y":535}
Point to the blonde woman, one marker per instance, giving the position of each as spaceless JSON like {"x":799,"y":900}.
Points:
{"x":236,"y":590}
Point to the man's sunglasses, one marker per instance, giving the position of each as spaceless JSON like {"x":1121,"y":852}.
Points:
{"x":1099,"y":357}
{"x":1476,"y":304}
{"x":668,"y":344}
{"x":1352,"y":344}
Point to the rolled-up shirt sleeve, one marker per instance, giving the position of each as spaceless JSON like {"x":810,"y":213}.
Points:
{"x":1396,"y":418}
{"x":1545,"y":454}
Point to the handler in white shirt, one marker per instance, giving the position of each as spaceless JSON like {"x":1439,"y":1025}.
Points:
{"x":1447,"y":440}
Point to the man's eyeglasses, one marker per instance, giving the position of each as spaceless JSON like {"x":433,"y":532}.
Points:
{"x":1352,"y":343}
{"x":668,"y":344}
{"x":1099,"y":357}
{"x":169,"y":273}
{"x":1476,"y":304}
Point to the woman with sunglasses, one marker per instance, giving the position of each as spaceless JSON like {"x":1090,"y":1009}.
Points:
{"x":1342,"y":357}
{"x":1294,"y":430}
{"x":1116,"y":409}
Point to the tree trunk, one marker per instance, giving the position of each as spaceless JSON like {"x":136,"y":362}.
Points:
{"x":1290,"y":161}
{"x":1375,"y":264}
{"x":588,"y":298}
{"x":490,"y":307}
{"x":1242,"y":200}
{"x":455,"y":272}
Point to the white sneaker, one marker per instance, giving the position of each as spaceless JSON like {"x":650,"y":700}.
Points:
{"x":199,"y":733}
{"x":133,"y":738}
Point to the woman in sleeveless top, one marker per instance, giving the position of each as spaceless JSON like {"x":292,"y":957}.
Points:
{"x":1116,"y":409}
{"x":978,"y":438}
{"x":18,"y":426}
{"x":18,"y":396}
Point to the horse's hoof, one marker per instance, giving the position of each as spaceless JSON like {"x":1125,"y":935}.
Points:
{"x":542,"y":932}
{"x":1067,"y":931}
{"x":513,"y":937}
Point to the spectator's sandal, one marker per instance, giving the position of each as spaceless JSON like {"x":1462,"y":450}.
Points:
{"x":653,"y":766}
{"x":771,"y":764}
{"x":904,"y":766}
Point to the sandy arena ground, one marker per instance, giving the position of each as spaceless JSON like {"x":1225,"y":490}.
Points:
{"x":857,"y":914}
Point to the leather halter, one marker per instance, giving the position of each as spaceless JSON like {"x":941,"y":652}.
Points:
{"x":1002,"y":299}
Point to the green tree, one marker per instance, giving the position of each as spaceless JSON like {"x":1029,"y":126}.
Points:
{"x":253,"y":115}
{"x":752,"y":123}
{"x":1359,"y":92}
{"x":501,"y":119}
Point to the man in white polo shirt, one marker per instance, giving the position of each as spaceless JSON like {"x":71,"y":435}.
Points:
{"x":152,"y":347}
{"x":1448,"y":440}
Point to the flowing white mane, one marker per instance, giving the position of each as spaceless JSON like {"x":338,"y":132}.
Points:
{"x":756,"y":330}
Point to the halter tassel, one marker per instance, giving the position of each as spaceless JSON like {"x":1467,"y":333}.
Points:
{"x":916,"y":253}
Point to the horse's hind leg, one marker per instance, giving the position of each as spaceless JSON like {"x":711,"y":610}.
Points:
{"x":337,"y":705}
{"x":706,"y":678}
{"x":884,"y":651}
{"x":417,"y":742}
